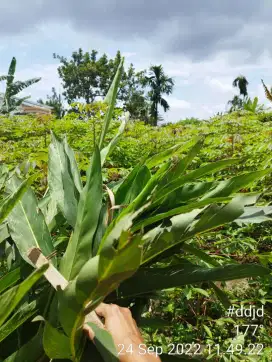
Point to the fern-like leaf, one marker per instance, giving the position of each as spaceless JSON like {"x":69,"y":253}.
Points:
{"x":267,"y":93}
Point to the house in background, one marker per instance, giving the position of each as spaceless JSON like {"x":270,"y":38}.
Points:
{"x":28,"y":107}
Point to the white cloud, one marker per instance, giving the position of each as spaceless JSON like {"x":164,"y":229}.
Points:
{"x":128,"y":54}
{"x":202,"y":88}
{"x":178,"y":103}
{"x":224,"y":86}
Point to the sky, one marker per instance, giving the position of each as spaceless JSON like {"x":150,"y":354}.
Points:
{"x":202,"y":44}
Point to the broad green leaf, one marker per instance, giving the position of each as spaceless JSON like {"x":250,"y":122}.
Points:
{"x":19,"y":86}
{"x":104,"y":343}
{"x":27,"y":225}
{"x":10,"y":299}
{"x":192,"y":176}
{"x":70,"y":311}
{"x":98,"y":277}
{"x":75,"y":173}
{"x":221,"y":295}
{"x":215,"y":216}
{"x":43,"y":203}
{"x":101,"y":228}
{"x":126,"y":184}
{"x":32,"y":351}
{"x":184,"y":226}
{"x":184,"y":194}
{"x":53,"y":216}
{"x":110,"y":99}
{"x":103,"y":274}
{"x":132,"y":185}
{"x":118,"y":259}
{"x":9,"y":279}
{"x":56,"y":345}
{"x":208,"y":331}
{"x":173,"y":172}
{"x":227,"y":187}
{"x":11,"y":72}
{"x":179,"y":210}
{"x":10,"y":202}
{"x":160,"y":157}
{"x":112,"y":237}
{"x":201,"y":291}
{"x":60,"y":180}
{"x":79,"y":249}
{"x":255,"y":215}
{"x":9,"y":254}
{"x":200,"y":254}
{"x":50,"y":212}
{"x":106,"y":151}
{"x":147,"y":280}
{"x":22,"y":314}
{"x":180,"y":167}
{"x":141,"y":199}
{"x":4,"y":233}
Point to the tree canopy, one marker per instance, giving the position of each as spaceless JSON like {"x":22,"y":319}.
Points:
{"x":159,"y":84}
{"x":87,"y":76}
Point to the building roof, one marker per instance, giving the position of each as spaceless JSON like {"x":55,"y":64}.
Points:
{"x":30,"y":103}
{"x":35,"y":104}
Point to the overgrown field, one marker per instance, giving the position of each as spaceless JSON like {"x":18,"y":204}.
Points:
{"x":239,"y":134}
{"x":194,"y":313}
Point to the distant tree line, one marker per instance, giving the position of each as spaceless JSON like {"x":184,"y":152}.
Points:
{"x":87,"y":77}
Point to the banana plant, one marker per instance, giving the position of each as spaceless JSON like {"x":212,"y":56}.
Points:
{"x":10,"y":102}
{"x":112,"y":243}
{"x":253,"y":106}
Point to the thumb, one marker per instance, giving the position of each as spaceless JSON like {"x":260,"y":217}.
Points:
{"x":88,"y":331}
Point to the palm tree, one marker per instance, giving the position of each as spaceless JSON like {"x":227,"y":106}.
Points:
{"x":235,"y":104}
{"x":9,"y":102}
{"x":159,"y":84}
{"x":241,"y":83}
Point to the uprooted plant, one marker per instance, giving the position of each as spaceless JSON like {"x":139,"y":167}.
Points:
{"x":119,"y":235}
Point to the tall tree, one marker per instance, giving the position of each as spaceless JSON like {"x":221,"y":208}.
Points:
{"x":235,"y":103}
{"x":132,"y":93}
{"x":10,"y":102}
{"x":238,"y":101}
{"x":159,"y":84}
{"x":241,"y":83}
{"x":138,"y":107}
{"x":87,"y":76}
{"x":54,"y":101}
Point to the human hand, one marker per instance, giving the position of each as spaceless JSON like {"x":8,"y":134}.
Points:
{"x":125,"y":333}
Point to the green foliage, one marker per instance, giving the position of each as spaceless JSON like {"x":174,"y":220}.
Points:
{"x":55,"y":101}
{"x":10,"y":103}
{"x":253,"y":106}
{"x":241,"y":83}
{"x":267,"y":92}
{"x":159,"y":84}
{"x":87,"y":76}
{"x":238,"y":102}
{"x":123,"y":240}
